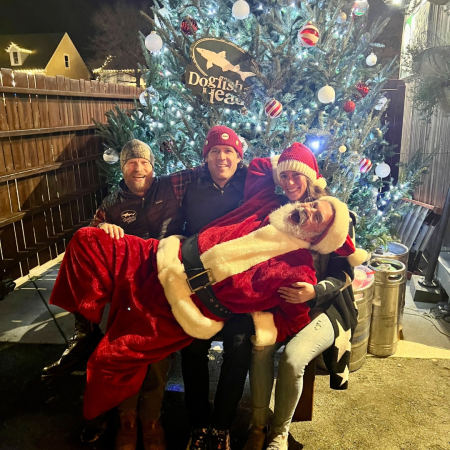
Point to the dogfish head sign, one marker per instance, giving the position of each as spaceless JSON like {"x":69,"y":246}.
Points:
{"x":220,"y":72}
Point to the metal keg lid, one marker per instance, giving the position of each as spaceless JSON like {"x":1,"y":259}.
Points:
{"x":386,"y":265}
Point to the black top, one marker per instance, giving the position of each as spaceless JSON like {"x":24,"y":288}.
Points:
{"x":205,"y":201}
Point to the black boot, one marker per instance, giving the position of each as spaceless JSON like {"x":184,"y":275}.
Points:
{"x":84,"y":341}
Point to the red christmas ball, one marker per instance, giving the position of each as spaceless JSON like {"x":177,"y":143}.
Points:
{"x":365,"y":165}
{"x":349,"y":106}
{"x":274,"y":108}
{"x":308,"y":35}
{"x":363,"y":90}
{"x":185,"y":26}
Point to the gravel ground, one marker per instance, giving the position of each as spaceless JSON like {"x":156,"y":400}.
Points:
{"x":391,"y":404}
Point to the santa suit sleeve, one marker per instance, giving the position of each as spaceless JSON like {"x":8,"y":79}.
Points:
{"x":261,"y":176}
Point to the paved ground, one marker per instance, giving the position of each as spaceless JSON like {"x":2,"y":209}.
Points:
{"x":399,"y":402}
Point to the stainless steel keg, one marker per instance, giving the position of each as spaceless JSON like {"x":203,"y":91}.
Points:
{"x":390,"y":282}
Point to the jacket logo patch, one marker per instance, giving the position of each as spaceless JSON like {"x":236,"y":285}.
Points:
{"x":128,"y":216}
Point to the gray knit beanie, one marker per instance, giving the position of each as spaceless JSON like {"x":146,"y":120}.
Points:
{"x":136,"y":149}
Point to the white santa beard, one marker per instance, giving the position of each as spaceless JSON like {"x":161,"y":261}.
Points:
{"x":280,"y":220}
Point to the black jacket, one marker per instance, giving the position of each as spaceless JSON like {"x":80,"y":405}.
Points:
{"x":205,"y":202}
{"x":156,"y":215}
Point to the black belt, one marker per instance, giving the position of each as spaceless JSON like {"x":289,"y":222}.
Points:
{"x":200,"y":279}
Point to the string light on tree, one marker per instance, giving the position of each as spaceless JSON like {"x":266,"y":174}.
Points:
{"x":153,"y":42}
{"x":371,"y":60}
{"x":240,"y":10}
{"x":110,"y":156}
{"x":326,"y":94}
{"x":308,"y":35}
{"x":273,"y":108}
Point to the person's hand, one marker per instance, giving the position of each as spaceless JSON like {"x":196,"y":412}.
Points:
{"x":301,"y":292}
{"x":112,"y":230}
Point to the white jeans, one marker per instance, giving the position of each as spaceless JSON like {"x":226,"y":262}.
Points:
{"x":310,"y":342}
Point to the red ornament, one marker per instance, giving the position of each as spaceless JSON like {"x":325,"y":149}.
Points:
{"x":349,"y":106}
{"x":365,"y":165}
{"x":363,"y":90}
{"x":274,"y":108}
{"x":185,"y":26}
{"x":308,"y":35}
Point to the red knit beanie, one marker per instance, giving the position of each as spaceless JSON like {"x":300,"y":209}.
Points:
{"x":221,"y":135}
{"x":301,"y":159}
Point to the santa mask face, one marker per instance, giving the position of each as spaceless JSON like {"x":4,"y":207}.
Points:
{"x":305,"y":221}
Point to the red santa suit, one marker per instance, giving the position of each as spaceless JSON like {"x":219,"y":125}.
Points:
{"x":153,"y":312}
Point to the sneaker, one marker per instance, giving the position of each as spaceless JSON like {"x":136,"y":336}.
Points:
{"x":256,"y":438}
{"x":199,"y":439}
{"x":277,"y":442}
{"x":220,"y":439}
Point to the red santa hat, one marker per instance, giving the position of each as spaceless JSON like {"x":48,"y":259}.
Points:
{"x":221,"y":135}
{"x":336,"y":237}
{"x":301,"y":159}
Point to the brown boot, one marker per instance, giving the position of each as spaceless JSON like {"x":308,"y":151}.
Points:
{"x":256,"y":438}
{"x":153,"y":435}
{"x":126,"y":438}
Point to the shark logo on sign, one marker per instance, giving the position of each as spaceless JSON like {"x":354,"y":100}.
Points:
{"x":220,"y":72}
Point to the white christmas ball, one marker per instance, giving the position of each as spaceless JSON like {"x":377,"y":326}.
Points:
{"x":342,"y":17}
{"x":342,"y":149}
{"x":383,"y":170}
{"x":371,"y":60}
{"x":153,"y":42}
{"x":326,"y":94}
{"x":240,"y":10}
{"x":380,"y":104}
{"x":110,"y":156}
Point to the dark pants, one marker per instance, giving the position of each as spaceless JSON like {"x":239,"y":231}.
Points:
{"x":237,"y":350}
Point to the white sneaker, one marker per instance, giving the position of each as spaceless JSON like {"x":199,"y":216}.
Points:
{"x":277,"y":442}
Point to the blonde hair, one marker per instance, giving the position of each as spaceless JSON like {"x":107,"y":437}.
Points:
{"x":314,"y":191}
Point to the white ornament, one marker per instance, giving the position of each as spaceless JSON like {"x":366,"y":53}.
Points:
{"x":326,"y":94}
{"x":110,"y":156}
{"x":380,"y":104}
{"x":371,"y":60}
{"x":383,"y":170}
{"x":240,"y":10}
{"x":342,"y":17}
{"x":244,"y":144}
{"x":153,"y":42}
{"x":342,"y":149}
{"x":150,"y":95}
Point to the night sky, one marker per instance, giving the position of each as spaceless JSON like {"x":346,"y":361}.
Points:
{"x":52,"y":16}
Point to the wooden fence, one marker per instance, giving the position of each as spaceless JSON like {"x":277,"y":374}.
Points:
{"x":49,"y":181}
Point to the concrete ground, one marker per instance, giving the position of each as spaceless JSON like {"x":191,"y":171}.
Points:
{"x":400,"y":402}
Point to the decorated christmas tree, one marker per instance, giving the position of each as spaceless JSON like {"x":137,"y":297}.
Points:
{"x":276,"y":72}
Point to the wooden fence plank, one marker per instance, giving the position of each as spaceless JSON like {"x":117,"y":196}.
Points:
{"x":52,"y":103}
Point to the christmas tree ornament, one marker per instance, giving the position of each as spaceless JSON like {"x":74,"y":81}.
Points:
{"x":365,"y":164}
{"x":380,"y":103}
{"x":244,"y":144}
{"x":342,"y":17}
{"x":153,"y":42}
{"x":382,"y":170}
{"x":189,"y":30}
{"x":349,"y":106}
{"x":273,"y":108}
{"x":240,"y":10}
{"x":376,"y":134}
{"x":166,"y":146}
{"x":371,"y":60}
{"x":150,"y":95}
{"x":360,"y":7}
{"x":110,"y":156}
{"x":342,"y":149}
{"x":244,"y":111}
{"x":308,"y":35}
{"x":363,"y":90}
{"x":326,"y":94}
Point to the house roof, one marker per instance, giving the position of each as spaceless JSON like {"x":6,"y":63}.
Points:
{"x":42,"y":45}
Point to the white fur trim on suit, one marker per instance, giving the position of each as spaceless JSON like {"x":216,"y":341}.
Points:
{"x":236,"y":256}
{"x":337,"y":233}
{"x":357,"y":258}
{"x":274,"y":161}
{"x":174,"y":281}
{"x":265,"y":329}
